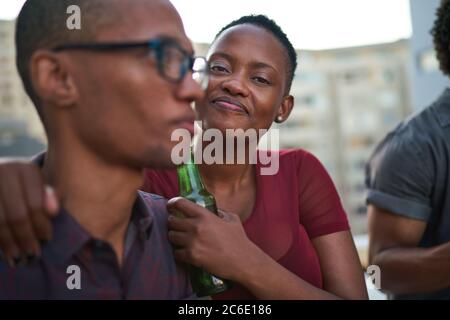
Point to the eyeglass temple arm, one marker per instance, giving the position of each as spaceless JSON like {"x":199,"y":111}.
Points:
{"x":106,"y":46}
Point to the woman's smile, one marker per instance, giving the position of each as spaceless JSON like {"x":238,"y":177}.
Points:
{"x":229,"y":104}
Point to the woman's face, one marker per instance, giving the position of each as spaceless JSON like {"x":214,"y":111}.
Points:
{"x":248,"y":82}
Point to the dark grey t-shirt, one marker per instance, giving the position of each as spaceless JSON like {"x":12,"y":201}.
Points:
{"x":409,"y":175}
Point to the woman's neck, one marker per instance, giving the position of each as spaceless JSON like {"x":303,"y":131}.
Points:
{"x":224,"y":176}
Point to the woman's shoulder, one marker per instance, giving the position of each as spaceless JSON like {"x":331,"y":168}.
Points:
{"x":162,"y":182}
{"x":297,"y":153}
{"x":290,"y":165}
{"x":296,"y":157}
{"x":161,"y":173}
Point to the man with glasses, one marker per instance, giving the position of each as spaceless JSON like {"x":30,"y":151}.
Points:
{"x":109,"y":96}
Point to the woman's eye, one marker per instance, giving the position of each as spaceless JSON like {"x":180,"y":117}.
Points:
{"x":219,"y":69}
{"x":261,"y":80}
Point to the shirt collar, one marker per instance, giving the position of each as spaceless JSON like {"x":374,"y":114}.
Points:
{"x":142,"y":215}
{"x":442,"y":108}
{"x":69,"y":237}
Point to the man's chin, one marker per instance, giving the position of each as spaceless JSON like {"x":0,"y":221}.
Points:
{"x":160,"y":163}
{"x":163,"y":166}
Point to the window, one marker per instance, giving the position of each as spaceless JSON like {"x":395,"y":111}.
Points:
{"x":306,"y":100}
{"x":427,"y":61}
{"x":361,"y":210}
{"x":389,"y":76}
{"x":388,"y":99}
{"x":354,"y":75}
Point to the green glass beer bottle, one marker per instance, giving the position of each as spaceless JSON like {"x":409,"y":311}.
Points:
{"x":193,"y":189}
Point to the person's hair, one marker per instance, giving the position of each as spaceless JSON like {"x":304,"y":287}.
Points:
{"x":42,"y":24}
{"x":272,"y":27}
{"x":441,"y":36}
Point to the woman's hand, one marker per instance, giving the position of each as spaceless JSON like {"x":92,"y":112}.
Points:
{"x":26,"y":207}
{"x":217,"y":244}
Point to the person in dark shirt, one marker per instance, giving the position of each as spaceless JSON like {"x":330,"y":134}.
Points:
{"x":109,"y":96}
{"x":408,"y":181}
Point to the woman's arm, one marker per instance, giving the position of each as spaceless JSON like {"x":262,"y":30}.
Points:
{"x":222,"y":247}
{"x":342,"y":274}
{"x":341,"y":269}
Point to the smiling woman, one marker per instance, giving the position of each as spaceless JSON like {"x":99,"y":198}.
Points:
{"x":289,"y":237}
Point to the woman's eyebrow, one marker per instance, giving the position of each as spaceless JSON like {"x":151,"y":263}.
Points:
{"x":254,"y":64}
{"x":263,"y":65}
{"x":222,"y":55}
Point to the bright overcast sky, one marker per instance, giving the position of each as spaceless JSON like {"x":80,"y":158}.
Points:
{"x":310,"y":24}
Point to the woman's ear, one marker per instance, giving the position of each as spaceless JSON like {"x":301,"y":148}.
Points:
{"x":285,"y":109}
{"x":51,"y":79}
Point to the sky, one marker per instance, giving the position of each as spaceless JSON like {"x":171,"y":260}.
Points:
{"x":309,"y":24}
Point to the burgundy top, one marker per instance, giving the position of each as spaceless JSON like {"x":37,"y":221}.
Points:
{"x":297,"y":204}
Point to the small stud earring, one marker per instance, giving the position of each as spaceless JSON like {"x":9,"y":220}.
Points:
{"x":279,"y":119}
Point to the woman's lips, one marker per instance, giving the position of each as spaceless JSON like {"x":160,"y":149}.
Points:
{"x":228,"y":106}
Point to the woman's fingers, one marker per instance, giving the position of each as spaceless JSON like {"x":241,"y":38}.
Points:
{"x":179,"y":239}
{"x":8,"y":245}
{"x":24,"y":214}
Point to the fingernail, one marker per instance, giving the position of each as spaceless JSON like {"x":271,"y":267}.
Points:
{"x":51,"y":200}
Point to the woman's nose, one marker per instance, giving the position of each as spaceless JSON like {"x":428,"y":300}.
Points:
{"x":235,"y":86}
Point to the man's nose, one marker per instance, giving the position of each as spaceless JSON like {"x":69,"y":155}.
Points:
{"x":190,"y":90}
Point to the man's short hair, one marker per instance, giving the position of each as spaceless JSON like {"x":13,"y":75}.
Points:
{"x":42,"y":24}
{"x":272,"y":27}
{"x":441,"y":36}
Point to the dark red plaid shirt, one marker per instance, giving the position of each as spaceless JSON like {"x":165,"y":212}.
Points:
{"x":149,"y":270}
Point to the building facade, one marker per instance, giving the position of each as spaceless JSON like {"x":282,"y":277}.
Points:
{"x":346,"y":100}
{"x":21,"y":132}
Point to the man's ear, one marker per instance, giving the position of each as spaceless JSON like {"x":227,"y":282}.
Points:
{"x":51,"y":79}
{"x":285,"y":109}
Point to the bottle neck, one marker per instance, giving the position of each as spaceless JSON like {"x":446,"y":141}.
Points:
{"x":189,"y":178}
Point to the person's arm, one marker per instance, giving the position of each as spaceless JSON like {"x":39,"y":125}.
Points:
{"x":406,"y":268}
{"x":222,"y":247}
{"x":402,"y":179}
{"x":343,"y":276}
{"x":26,"y":207}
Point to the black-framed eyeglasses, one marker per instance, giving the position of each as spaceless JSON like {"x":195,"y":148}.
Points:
{"x":173,"y":61}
